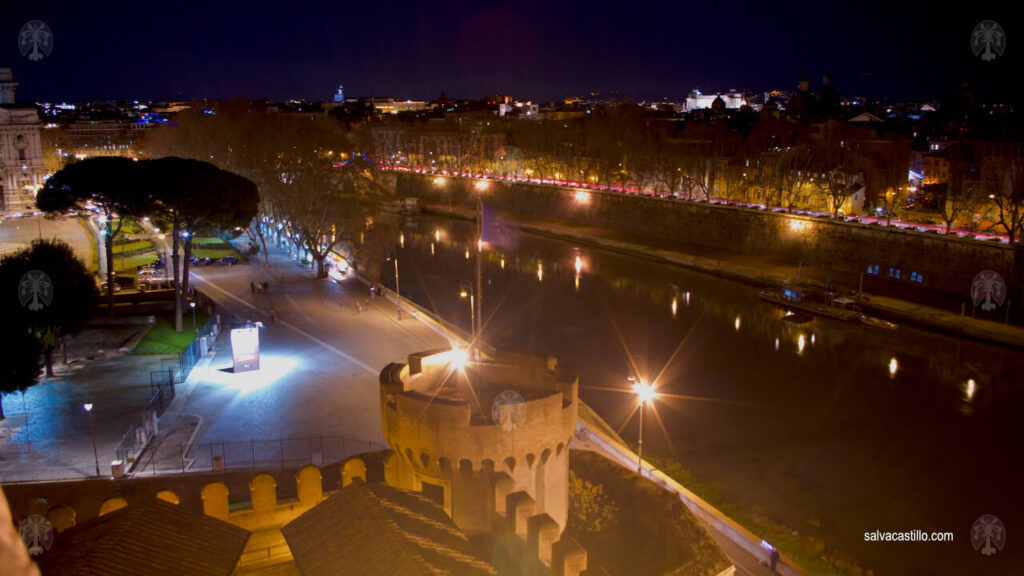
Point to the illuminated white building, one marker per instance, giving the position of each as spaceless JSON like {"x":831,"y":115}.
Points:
{"x":732,"y":99}
{"x":21,"y":157}
{"x":392,"y":106}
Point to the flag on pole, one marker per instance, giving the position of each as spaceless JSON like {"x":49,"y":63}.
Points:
{"x":497,"y":231}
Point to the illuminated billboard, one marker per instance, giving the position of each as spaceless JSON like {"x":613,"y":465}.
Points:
{"x":245,"y":348}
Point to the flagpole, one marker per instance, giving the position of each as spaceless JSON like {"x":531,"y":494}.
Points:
{"x":479,"y":276}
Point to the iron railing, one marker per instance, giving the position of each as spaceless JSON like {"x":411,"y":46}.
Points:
{"x":250,"y":454}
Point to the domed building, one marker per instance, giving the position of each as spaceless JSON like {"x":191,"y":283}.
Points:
{"x":718,"y":105}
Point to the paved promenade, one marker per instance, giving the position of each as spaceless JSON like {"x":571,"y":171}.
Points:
{"x":320,"y":364}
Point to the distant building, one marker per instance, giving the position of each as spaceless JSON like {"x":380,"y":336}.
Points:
{"x":392,"y":106}
{"x":521,"y":109}
{"x":340,"y":95}
{"x":732,"y":100}
{"x":22,"y":172}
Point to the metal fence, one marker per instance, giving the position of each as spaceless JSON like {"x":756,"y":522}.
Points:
{"x":172,"y":371}
{"x":144,"y":428}
{"x":249,"y":454}
{"x":45,"y":475}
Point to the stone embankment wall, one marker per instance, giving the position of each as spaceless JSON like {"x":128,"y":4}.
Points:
{"x":947,"y":264}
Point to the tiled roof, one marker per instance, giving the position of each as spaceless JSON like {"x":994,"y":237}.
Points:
{"x":153,"y":538}
{"x":375,"y":529}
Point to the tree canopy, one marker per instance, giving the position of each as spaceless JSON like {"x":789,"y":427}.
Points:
{"x":191,"y":196}
{"x":48,"y":295}
{"x":113,"y":186}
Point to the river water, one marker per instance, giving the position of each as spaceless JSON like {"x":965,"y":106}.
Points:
{"x":833,"y":429}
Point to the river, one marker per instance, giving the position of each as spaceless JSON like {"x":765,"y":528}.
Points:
{"x":833,"y":429}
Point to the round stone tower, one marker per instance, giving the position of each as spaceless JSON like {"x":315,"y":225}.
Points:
{"x":470,"y":433}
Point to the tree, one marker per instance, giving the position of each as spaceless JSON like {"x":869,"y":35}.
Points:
{"x":191,"y":196}
{"x":328,"y":206}
{"x":20,"y":369}
{"x":590,"y":510}
{"x":960,"y":199}
{"x":1006,"y":192}
{"x":111,"y":185}
{"x":56,"y":296}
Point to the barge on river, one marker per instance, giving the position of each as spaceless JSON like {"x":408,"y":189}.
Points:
{"x":813,"y":300}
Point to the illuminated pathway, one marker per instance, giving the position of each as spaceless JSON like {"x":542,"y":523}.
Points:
{"x":320,"y":359}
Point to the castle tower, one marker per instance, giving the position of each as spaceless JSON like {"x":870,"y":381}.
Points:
{"x":470,"y":433}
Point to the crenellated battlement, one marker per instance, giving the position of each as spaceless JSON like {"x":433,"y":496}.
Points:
{"x":455,"y":426}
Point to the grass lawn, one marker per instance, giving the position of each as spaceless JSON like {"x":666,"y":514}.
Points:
{"x":218,"y":253}
{"x":162,"y":339}
{"x":129,"y":264}
{"x":131,"y":245}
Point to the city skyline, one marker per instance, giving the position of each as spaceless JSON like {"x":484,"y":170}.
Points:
{"x":532,"y":51}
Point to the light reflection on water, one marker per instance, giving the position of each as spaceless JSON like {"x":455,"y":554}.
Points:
{"x":796,"y":393}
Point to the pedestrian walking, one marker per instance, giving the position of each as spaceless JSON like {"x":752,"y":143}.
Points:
{"x":252,"y":287}
{"x":773,"y":560}
{"x":265,"y":286}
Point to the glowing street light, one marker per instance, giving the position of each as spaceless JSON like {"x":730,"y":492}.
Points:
{"x":92,"y":432}
{"x":645,"y":395}
{"x":466,"y":291}
{"x":458,"y":358}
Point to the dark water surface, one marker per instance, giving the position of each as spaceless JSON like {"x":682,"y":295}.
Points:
{"x":833,"y":429}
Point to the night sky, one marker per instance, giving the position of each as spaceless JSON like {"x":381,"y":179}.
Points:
{"x":532,"y":50}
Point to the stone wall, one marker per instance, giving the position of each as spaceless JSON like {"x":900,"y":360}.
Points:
{"x":947,"y":264}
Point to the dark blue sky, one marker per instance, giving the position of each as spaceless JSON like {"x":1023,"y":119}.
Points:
{"x":538,"y":50}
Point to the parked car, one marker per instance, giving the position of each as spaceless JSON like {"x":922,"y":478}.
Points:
{"x":156,"y":283}
{"x":206,"y":261}
{"x":228,"y":261}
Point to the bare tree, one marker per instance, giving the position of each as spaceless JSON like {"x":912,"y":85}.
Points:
{"x":961,"y":199}
{"x":1006,"y":192}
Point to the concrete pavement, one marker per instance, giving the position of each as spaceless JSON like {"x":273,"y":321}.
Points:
{"x":321,"y":355}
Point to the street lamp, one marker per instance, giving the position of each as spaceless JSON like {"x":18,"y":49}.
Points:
{"x":88,"y":410}
{"x":466,"y":291}
{"x":645,"y":395}
{"x":195,"y":328}
{"x":398,"y":294}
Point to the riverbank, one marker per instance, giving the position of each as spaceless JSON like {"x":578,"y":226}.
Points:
{"x":762,"y":274}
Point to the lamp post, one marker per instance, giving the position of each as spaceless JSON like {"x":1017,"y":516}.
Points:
{"x":195,"y":329}
{"x":398,"y":294}
{"x":466,"y":291}
{"x":88,"y":410}
{"x":645,"y":394}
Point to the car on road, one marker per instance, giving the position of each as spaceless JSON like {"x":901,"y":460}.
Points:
{"x":156,"y":283}
{"x":228,"y":261}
